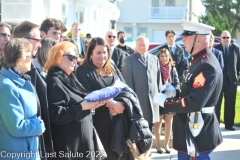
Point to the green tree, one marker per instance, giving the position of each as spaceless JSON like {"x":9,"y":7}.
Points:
{"x":228,"y":8}
{"x":218,"y":21}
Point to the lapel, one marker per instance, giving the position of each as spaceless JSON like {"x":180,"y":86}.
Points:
{"x":149,"y":62}
{"x":139,"y":57}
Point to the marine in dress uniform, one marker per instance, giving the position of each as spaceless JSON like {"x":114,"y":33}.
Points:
{"x":199,"y":93}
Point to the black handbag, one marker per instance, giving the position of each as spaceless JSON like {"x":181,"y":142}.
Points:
{"x":100,"y":151}
{"x":140,"y":134}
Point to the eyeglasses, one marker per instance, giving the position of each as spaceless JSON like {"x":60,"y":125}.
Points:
{"x":35,"y":39}
{"x":71,"y":57}
{"x":225,"y":37}
{"x":77,"y":29}
{"x":110,"y":36}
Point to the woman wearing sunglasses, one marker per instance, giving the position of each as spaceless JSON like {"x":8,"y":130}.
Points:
{"x":169,"y":76}
{"x":70,"y":115}
{"x":20,"y":125}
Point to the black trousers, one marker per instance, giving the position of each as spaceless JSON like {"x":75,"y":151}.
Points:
{"x":229,"y":92}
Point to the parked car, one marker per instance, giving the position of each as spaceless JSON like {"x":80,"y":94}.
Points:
{"x":155,"y":50}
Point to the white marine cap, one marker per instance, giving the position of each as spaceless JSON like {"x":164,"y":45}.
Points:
{"x":191,"y":28}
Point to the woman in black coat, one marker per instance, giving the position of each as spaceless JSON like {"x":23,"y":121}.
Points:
{"x":97,"y":72}
{"x":169,"y":76}
{"x":70,"y":115}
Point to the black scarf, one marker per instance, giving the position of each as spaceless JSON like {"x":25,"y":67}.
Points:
{"x":22,"y":75}
{"x":70,"y":81}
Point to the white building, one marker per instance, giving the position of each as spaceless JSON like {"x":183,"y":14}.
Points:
{"x":152,"y":18}
{"x":91,"y":13}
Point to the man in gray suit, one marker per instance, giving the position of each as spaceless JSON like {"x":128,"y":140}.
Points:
{"x":141,"y":72}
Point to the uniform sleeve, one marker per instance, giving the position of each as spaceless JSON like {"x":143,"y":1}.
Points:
{"x":203,"y":84}
{"x":127,"y":73}
{"x":60,"y":112}
{"x":13,"y":114}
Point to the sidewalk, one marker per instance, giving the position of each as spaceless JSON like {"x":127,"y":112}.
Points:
{"x":229,"y":149}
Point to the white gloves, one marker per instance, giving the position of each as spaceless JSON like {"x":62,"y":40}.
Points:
{"x":170,"y":91}
{"x":159,"y":98}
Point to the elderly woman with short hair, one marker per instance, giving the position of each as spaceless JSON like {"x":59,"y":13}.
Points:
{"x":70,"y":115}
{"x":19,"y":124}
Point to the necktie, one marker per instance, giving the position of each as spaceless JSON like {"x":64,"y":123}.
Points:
{"x":171,"y":50}
{"x":226,"y":51}
{"x":144,"y":60}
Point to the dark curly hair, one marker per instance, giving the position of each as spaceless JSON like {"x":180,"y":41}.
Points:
{"x":51,"y":22}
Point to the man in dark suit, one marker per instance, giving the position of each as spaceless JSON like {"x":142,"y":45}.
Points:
{"x":216,"y":52}
{"x":141,"y":72}
{"x":231,"y":73}
{"x":81,"y":42}
{"x":117,"y":55}
{"x":177,"y":53}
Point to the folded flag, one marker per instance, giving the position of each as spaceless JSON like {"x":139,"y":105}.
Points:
{"x":106,"y":93}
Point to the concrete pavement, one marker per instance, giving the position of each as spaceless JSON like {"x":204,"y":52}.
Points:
{"x":229,"y":149}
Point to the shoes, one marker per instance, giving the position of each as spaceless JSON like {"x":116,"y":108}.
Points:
{"x":159,"y":151}
{"x":230,"y":128}
{"x":168,"y":151}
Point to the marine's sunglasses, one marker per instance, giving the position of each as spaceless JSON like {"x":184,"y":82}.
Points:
{"x":71,"y":57}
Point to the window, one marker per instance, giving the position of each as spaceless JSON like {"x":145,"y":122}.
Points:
{"x":155,"y":3}
{"x":129,"y":32}
{"x":170,"y":2}
{"x":64,"y":13}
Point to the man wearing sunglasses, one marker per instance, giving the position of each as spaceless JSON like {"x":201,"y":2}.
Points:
{"x":81,"y":42}
{"x":30,"y":31}
{"x":116,"y":54}
{"x":196,"y":132}
{"x":231,"y":74}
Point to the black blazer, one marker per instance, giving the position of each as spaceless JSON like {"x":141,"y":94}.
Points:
{"x":231,"y":62}
{"x":219,"y":56}
{"x":45,"y":140}
{"x":178,"y":58}
{"x":118,"y":57}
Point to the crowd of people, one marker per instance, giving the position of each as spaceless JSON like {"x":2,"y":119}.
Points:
{"x":46,"y":73}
